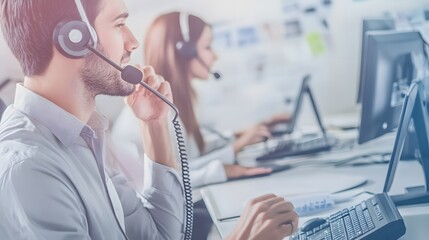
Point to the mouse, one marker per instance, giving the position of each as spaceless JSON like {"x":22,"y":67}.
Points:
{"x":312,"y":223}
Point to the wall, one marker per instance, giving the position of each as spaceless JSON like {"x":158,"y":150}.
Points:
{"x":240,"y":98}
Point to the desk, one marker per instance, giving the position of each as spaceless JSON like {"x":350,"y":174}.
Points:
{"x":409,"y":173}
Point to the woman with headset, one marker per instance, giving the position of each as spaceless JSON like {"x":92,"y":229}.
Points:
{"x":178,"y":46}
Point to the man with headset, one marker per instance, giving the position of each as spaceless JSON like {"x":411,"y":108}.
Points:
{"x":53,"y":183}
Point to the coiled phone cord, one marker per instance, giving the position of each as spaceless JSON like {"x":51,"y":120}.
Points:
{"x":184,"y":164}
{"x":185,"y":179}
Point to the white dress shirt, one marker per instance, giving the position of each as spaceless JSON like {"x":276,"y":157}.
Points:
{"x":53,"y":183}
{"x":205,"y":168}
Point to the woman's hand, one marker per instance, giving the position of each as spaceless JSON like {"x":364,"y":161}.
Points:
{"x":266,"y":217}
{"x":276,"y":119}
{"x":252,"y":135}
{"x":236,"y":171}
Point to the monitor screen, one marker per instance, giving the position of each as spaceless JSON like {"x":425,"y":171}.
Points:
{"x":375,"y":24}
{"x":388,"y":73}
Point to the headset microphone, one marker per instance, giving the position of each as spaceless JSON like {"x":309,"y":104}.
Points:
{"x":216,"y":75}
{"x":186,"y":48}
{"x":132,"y":75}
{"x":129,"y":73}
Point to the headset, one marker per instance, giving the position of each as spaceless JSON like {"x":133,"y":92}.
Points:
{"x":187,"y":49}
{"x":77,"y":39}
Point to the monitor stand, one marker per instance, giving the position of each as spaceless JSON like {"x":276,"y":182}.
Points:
{"x":414,"y":109}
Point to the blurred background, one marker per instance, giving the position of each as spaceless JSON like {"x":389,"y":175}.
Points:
{"x":265,"y":48}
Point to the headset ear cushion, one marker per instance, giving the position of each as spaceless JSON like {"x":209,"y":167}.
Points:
{"x":71,"y":39}
{"x":186,"y":50}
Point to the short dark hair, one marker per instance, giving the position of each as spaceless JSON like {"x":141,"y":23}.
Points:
{"x":28,"y":27}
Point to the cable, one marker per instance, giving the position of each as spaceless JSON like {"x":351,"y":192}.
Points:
{"x":185,"y":178}
{"x":184,"y":164}
{"x":4,"y":83}
{"x":426,"y":44}
{"x":344,"y":195}
{"x":423,"y":39}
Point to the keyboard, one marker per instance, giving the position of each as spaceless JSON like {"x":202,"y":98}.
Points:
{"x":298,"y":147}
{"x":373,"y":219}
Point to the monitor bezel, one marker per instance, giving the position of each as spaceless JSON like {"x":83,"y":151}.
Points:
{"x":370,"y":25}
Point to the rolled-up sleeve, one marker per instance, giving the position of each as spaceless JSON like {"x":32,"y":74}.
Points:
{"x":158,"y":210}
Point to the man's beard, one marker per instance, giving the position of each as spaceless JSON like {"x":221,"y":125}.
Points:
{"x":100,"y":77}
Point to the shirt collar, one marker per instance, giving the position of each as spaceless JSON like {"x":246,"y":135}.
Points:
{"x":65,"y":126}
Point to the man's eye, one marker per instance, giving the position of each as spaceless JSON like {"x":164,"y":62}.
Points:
{"x":120,"y":25}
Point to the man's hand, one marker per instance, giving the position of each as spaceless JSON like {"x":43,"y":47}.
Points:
{"x":266,"y":217}
{"x":236,"y":171}
{"x":146,"y":105}
{"x":153,"y":113}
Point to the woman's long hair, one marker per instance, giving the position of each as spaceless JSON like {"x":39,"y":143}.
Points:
{"x":160,"y":52}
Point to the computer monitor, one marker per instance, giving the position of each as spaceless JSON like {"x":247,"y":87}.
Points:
{"x":288,"y":128}
{"x":388,"y":73}
{"x":373,"y":24}
{"x":413,"y":109}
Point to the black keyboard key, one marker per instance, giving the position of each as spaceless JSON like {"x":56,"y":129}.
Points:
{"x":361,"y":219}
{"x":377,"y":211}
{"x":373,"y":201}
{"x":363,"y":205}
{"x":294,"y":237}
{"x":338,"y":230}
{"x":349,"y":227}
{"x":355,"y":222}
{"x":368,"y":219}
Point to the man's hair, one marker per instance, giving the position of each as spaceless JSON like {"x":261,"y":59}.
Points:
{"x":28,"y":27}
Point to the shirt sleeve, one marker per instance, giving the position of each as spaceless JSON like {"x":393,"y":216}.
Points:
{"x":212,"y":172}
{"x":157,"y":211}
{"x":28,"y":194}
{"x":225,"y":155}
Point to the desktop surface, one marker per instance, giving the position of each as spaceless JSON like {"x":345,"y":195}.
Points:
{"x":289,"y":180}
{"x":415,"y":217}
